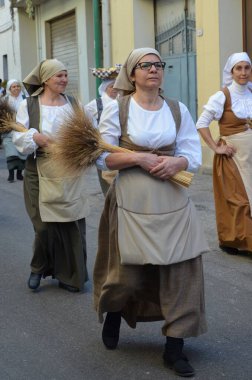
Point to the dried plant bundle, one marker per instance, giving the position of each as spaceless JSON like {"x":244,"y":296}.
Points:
{"x":8,"y":117}
{"x":78,"y":145}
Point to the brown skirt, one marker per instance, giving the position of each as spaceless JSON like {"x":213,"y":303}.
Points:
{"x":233,"y":218}
{"x":174,"y":293}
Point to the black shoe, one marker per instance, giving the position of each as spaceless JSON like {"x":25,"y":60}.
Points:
{"x":11,"y":176}
{"x":70,"y":288}
{"x":229,"y":250}
{"x":175,"y":359}
{"x":20,"y":175}
{"x":111,"y":330}
{"x":34,"y":280}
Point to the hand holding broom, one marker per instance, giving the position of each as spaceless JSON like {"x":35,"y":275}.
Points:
{"x":78,"y":144}
{"x":8,"y":118}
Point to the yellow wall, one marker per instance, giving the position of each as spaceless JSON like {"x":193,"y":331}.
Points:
{"x":132,"y":26}
{"x":220,"y":23}
{"x":208,"y":60}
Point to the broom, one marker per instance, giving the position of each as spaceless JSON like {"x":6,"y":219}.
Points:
{"x":78,"y":145}
{"x":8,"y":118}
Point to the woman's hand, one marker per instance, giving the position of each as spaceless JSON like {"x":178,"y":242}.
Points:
{"x":147,"y":161}
{"x":41,"y":140}
{"x":169,"y":166}
{"x":228,"y":150}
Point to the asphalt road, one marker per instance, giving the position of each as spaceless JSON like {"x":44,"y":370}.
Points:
{"x":55,"y":335}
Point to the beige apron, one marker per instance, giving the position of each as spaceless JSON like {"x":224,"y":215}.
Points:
{"x":161,"y":226}
{"x":243,"y":158}
{"x":61,"y":199}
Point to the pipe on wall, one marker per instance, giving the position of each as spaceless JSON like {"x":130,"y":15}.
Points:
{"x":106,"y":33}
{"x":97,"y":38}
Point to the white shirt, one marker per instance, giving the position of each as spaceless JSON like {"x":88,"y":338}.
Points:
{"x":15,"y":101}
{"x":51,"y":118}
{"x":152,"y":129}
{"x":241,"y":105}
{"x":91,"y":107}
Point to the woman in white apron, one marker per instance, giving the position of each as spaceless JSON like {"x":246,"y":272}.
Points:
{"x":57,"y":206}
{"x":15,"y":160}
{"x":149,"y":266}
{"x":232,"y":166}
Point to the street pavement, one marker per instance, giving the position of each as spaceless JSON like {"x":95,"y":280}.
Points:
{"x":55,"y":335}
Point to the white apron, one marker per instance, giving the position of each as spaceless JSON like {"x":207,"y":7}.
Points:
{"x":157,"y":222}
{"x":61,"y":199}
{"x":243,"y":158}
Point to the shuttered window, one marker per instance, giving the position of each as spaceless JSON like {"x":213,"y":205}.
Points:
{"x":64,"y":48}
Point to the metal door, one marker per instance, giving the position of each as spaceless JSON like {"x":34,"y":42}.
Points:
{"x":177,"y":47}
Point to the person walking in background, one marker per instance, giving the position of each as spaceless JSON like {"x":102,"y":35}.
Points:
{"x":232,"y":173}
{"x":107,"y":94}
{"x":2,"y":89}
{"x":15,"y":160}
{"x":57,"y":206}
{"x":149,"y":261}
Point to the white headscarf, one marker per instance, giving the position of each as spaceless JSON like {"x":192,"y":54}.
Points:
{"x":10,"y":83}
{"x":231,"y":62}
{"x":103,"y":86}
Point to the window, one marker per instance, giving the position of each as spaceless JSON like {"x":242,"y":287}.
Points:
{"x":5,"y":67}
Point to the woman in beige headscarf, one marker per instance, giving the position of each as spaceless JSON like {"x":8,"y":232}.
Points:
{"x":232,"y":165}
{"x":56,"y":206}
{"x":148,"y":266}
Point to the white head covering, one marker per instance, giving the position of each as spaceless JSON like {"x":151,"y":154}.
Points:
{"x":231,"y":62}
{"x":10,"y":83}
{"x":104,"y":84}
{"x":123,"y":81}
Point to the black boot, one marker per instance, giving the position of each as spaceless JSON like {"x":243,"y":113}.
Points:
{"x":111,"y":330}
{"x":175,"y":359}
{"x":20,"y":175}
{"x":11,"y":175}
{"x":34,"y":280}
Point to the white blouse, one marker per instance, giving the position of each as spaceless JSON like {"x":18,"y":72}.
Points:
{"x":15,"y":101}
{"x":153,"y":129}
{"x":241,"y":105}
{"x":51,"y":118}
{"x":91,"y":107}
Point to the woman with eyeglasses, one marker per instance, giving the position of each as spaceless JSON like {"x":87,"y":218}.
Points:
{"x":15,"y":160}
{"x":149,"y":265}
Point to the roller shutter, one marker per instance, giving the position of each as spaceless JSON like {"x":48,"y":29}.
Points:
{"x":64,"y":48}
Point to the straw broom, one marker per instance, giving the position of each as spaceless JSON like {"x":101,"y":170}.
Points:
{"x":8,"y":118}
{"x":78,"y":144}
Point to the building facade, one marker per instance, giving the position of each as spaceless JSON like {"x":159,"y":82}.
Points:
{"x":194,"y":37}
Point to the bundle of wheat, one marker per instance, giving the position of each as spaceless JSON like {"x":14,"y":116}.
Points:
{"x":8,"y":117}
{"x":78,"y":145}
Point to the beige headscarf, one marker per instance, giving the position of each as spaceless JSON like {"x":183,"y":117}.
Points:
{"x":123,"y":81}
{"x":40,"y":74}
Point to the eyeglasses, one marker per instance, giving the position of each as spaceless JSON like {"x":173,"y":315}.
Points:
{"x":147,"y":65}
